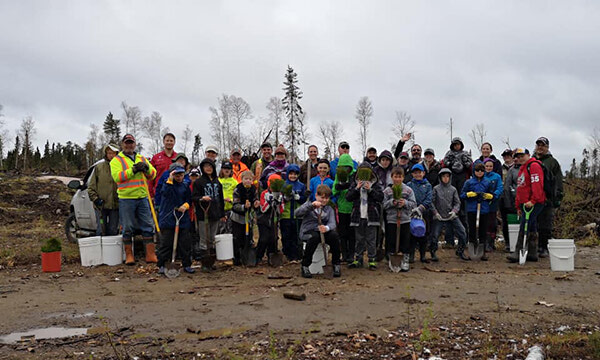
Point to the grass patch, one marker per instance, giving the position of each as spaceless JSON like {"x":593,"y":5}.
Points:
{"x":572,"y":345}
{"x":590,"y":241}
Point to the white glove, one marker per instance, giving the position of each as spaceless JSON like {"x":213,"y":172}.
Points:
{"x":296,"y":196}
{"x":438,"y":217}
{"x":416,"y":211}
{"x":452,"y":215}
{"x":269,"y":197}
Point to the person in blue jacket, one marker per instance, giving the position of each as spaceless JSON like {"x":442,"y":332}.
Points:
{"x":179,"y":160}
{"x":322,"y":178}
{"x":497,"y":188}
{"x":477,"y":190}
{"x":289,"y":223}
{"x":423,"y":194}
{"x":176,"y":199}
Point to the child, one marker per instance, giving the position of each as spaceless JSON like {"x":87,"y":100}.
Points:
{"x":271,"y":206}
{"x":244,"y":199}
{"x":445,"y":207}
{"x":340,"y":189}
{"x":392,"y":206}
{"x":289,"y":218}
{"x":311,"y":231}
{"x":496,"y":189}
{"x":322,"y":178}
{"x":228,"y":183}
{"x":422,"y":189}
{"x":207,"y":195}
{"x":176,"y":199}
{"x":366,"y":197}
{"x":477,"y":190}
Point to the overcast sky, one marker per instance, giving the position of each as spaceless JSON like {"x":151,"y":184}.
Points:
{"x":524,"y":68}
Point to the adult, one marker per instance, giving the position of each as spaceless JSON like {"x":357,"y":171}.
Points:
{"x":546,"y":217}
{"x":180,"y":160}
{"x":530,"y":197}
{"x":278,"y":166}
{"x":258,"y":166}
{"x":371,"y":157}
{"x":343,"y":148}
{"x":496,"y":188}
{"x":102,"y":191}
{"x":212,"y":152}
{"x":507,"y":205}
{"x":486,"y":153}
{"x":131,"y":171}
{"x":383,"y":168}
{"x":237,"y":165}
{"x":313,"y":160}
{"x":432,"y":167}
{"x":162,"y":160}
{"x":415,"y":153}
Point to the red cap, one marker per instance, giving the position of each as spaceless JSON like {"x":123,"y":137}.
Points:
{"x":128,"y":137}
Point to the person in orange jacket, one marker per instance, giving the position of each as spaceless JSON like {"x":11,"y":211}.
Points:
{"x":237,"y":165}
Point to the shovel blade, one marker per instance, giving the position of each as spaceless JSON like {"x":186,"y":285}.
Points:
{"x":276,"y":259}
{"x":249,"y":256}
{"x":475,"y":253}
{"x":395,"y":262}
{"x":522,"y":256}
{"x":172,"y":270}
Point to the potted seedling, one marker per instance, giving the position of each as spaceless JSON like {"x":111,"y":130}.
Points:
{"x":51,"y":255}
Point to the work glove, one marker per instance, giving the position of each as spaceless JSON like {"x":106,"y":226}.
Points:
{"x":307,"y":193}
{"x":488,"y":196}
{"x":452,"y":215}
{"x":140,"y":167}
{"x":296,"y":196}
{"x":416,"y":212}
{"x":99,"y":203}
{"x":471,"y":194}
{"x":438,"y":217}
{"x":269,"y":197}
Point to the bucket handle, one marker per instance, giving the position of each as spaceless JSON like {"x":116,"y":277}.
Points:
{"x":567,"y":257}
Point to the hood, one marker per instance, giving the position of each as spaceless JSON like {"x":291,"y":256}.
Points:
{"x":211,"y":163}
{"x":386,"y":154}
{"x":365,"y":164}
{"x":457,"y":140}
{"x":346,"y":160}
{"x":292,"y":167}
{"x":442,"y":172}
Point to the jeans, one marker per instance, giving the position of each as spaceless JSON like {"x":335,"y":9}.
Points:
{"x":135,"y":212}
{"x":454,"y":225}
{"x":532,"y":224}
{"x":346,"y":236}
{"x":165,"y":252}
{"x":289,"y":238}
{"x":365,"y":239}
{"x":110,"y":218}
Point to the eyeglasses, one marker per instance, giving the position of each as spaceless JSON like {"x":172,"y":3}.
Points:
{"x":416,"y":151}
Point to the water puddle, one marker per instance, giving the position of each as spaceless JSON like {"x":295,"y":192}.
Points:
{"x":43,"y":333}
{"x":70,"y":315}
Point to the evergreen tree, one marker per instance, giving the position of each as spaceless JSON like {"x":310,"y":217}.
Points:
{"x":112,"y":129}
{"x":573,"y":172}
{"x":584,"y":167}
{"x":293,"y":110}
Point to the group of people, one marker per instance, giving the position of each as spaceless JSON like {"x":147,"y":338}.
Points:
{"x":389,"y":203}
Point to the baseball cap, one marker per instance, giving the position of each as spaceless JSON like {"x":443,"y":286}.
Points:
{"x":195,"y":172}
{"x":212,"y":148}
{"x":266,"y":145}
{"x":236,"y":151}
{"x":178,"y":169}
{"x":429,"y":151}
{"x":417,"y":167}
{"x":507,"y":152}
{"x":371,"y":149}
{"x":521,"y":151}
{"x":181,"y":156}
{"x":543,"y":140}
{"x":226,"y":165}
{"x":404,"y":154}
{"x":128,"y":138}
{"x":344,"y":144}
{"x":113,"y":147}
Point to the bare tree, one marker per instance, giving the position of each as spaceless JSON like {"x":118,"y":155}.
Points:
{"x":132,"y":118}
{"x":153,"y":130}
{"x":259,"y":131}
{"x":92,"y":145}
{"x":330,"y":133}
{"x":451,"y":128}
{"x":276,"y":114}
{"x":403,"y":124}
{"x":3,"y":137}
{"x":304,"y":134}
{"x":594,"y":138}
{"x":364,"y":113}
{"x":506,"y":141}
{"x":186,"y":138}
{"x":27,"y":133}
{"x":478,"y":134}
{"x":240,"y":111}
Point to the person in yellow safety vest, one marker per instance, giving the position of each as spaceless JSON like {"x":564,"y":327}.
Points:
{"x":131,"y":171}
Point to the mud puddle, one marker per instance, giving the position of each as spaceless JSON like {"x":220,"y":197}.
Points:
{"x":42,"y":333}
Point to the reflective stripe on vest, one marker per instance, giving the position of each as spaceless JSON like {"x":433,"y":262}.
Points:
{"x":124,"y":166}
{"x":130,"y":184}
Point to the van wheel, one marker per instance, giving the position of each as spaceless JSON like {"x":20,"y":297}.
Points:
{"x":71,"y":229}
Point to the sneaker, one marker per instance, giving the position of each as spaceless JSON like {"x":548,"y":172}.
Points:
{"x":161,"y":270}
{"x":355,"y":264}
{"x":372,"y":265}
{"x":411,"y":258}
{"x":306,"y":272}
{"x":405,"y":265}
{"x":337,"y":270}
{"x":189,"y":270}
{"x":484,"y":257}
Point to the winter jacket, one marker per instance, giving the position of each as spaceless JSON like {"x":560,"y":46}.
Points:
{"x":240,"y":195}
{"x":210,"y":186}
{"x":228,"y":185}
{"x":384,"y":175}
{"x":238,"y":169}
{"x":298,"y":191}
{"x":480,"y":187}
{"x":341,"y":189}
{"x":315,"y":182}
{"x":310,"y":219}
{"x":103,"y":186}
{"x":373,"y":197}
{"x":497,"y":188}
{"x":530,"y":185}
{"x":412,"y":162}
{"x":459,"y":162}
{"x":278,"y":167}
{"x":431,"y":172}
{"x":304,"y":171}
{"x":161,"y":163}
{"x":391,"y":210}
{"x":510,"y":187}
{"x":554,"y":167}
{"x":497,"y":164}
{"x":269,"y":207}
{"x":159,"y":184}
{"x":131,"y":185}
{"x":445,"y":197}
{"x":334,"y":164}
{"x":423,"y":193}
{"x":173,"y":196}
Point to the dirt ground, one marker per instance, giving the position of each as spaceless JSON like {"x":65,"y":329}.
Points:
{"x":451,"y":309}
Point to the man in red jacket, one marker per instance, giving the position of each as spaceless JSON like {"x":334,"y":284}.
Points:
{"x":162,"y":160}
{"x":530,"y":194}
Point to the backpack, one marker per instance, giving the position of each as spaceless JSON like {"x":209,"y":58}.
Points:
{"x":549,"y":181}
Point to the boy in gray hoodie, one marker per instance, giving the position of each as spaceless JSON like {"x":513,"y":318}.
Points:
{"x":446,"y":206}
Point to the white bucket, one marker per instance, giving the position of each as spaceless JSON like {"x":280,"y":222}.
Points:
{"x":318,"y":261}
{"x":90,"y":251}
{"x":513,"y":234}
{"x":224,"y":246}
{"x":562,"y":254}
{"x":112,"y":250}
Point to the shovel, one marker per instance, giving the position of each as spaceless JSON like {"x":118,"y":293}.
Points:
{"x":248,"y":252}
{"x":173,"y":269}
{"x":395,"y":260}
{"x":476,"y":254}
{"x":524,"y":249}
{"x":327,"y":268}
{"x":276,"y":258}
{"x":208,"y":260}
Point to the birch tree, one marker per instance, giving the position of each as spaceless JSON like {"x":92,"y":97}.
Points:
{"x":364,"y":113}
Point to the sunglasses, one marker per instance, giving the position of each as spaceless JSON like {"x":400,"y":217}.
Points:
{"x":345,"y":147}
{"x":416,"y":151}
{"x":479,"y":170}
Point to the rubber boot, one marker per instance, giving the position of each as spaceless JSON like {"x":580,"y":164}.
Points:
{"x":490,"y":245}
{"x":150,"y":251}
{"x":434,"y":257}
{"x":411,"y":256}
{"x":306,"y":272}
{"x":514,"y":256}
{"x":129,"y":259}
{"x":405,"y":264}
{"x":484,"y":257}
{"x":337,"y":270}
{"x":460,"y":252}
{"x":532,"y":246}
